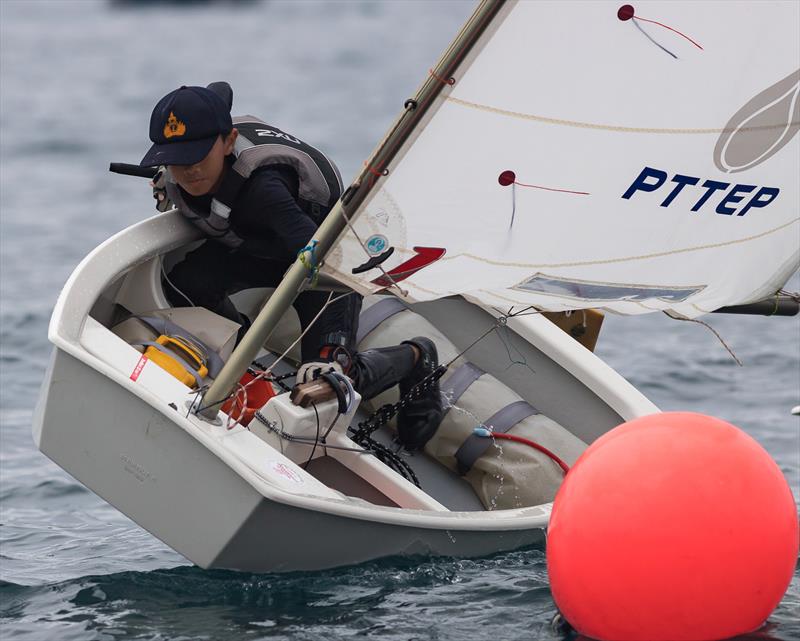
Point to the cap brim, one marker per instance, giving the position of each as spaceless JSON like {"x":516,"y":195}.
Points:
{"x":186,"y":152}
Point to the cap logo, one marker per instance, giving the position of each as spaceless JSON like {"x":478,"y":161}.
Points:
{"x":174,"y":127}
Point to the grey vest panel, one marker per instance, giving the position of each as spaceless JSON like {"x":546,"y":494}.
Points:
{"x":215,"y":224}
{"x":260,"y":145}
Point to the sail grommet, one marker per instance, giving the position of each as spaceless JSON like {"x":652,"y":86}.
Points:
{"x":410,"y":104}
{"x":626,"y":12}
{"x":507,"y":178}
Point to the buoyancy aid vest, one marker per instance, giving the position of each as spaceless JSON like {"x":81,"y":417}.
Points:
{"x":261,"y":145}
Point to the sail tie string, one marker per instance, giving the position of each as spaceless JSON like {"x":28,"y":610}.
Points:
{"x":444,"y":81}
{"x":651,"y":39}
{"x":719,"y":338}
{"x":627,"y":12}
{"x":376,"y":171}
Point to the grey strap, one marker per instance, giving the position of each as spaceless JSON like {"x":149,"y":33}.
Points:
{"x":165,"y":326}
{"x":220,"y":209}
{"x":460,"y":380}
{"x":376,"y":314}
{"x":501,"y":421}
{"x":165,"y":350}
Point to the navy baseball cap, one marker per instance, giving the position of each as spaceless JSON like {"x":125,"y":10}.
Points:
{"x":185,"y":125}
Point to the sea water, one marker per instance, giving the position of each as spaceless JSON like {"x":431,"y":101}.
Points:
{"x":78,"y":80}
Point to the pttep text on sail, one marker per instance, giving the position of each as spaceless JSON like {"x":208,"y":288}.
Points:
{"x":651,"y":179}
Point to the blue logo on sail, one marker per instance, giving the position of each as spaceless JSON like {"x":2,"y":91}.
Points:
{"x":376,"y":244}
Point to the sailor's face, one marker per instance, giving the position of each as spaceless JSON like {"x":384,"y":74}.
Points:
{"x":205,"y":176}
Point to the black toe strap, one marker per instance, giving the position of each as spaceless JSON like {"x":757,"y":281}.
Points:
{"x":331,"y":380}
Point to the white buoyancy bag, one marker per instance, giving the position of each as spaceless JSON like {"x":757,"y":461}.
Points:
{"x":503,"y":474}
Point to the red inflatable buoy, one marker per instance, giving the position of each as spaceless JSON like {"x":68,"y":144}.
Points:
{"x":672,"y":527}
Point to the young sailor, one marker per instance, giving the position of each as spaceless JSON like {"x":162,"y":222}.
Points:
{"x":258,"y":194}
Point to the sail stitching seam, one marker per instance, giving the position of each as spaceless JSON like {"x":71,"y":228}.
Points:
{"x":575,"y":264}
{"x":590,"y":125}
{"x":624,"y":259}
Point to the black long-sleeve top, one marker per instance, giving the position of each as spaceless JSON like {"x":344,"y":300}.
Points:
{"x":272,"y":225}
{"x":266,"y":214}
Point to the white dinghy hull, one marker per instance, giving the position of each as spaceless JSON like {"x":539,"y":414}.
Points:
{"x":225,"y":498}
{"x":148,"y":466}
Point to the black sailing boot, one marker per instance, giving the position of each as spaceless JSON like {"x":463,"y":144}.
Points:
{"x":419,"y":419}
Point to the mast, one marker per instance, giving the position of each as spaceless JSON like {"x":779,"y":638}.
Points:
{"x":335,"y":223}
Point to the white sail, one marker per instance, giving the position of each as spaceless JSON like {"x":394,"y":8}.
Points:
{"x":649,"y":153}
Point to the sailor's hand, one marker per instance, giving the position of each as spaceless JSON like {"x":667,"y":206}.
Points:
{"x":310,"y":371}
{"x":159,"y":185}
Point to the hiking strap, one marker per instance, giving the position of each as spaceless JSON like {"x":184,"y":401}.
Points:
{"x":501,"y":421}
{"x":373,"y":316}
{"x":459,"y":381}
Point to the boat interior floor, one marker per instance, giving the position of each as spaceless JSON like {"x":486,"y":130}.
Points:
{"x":490,"y":474}
{"x":436,"y":480}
